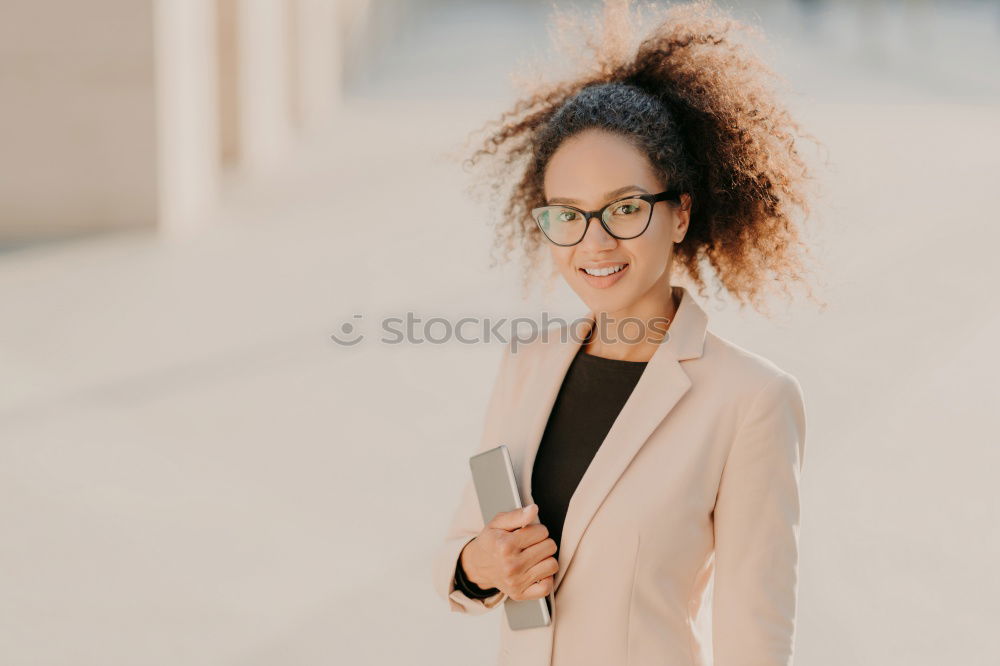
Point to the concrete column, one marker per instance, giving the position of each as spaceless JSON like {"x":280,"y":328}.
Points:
{"x":187,"y":95}
{"x":317,"y":57}
{"x":265,"y":129}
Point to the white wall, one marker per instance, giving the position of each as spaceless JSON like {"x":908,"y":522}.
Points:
{"x":76,"y":117}
{"x":110,"y":111}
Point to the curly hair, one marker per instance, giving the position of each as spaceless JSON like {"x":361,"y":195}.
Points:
{"x":693,"y":99}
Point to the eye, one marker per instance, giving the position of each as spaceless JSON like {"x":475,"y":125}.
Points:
{"x":625,"y":209}
{"x":566,"y":215}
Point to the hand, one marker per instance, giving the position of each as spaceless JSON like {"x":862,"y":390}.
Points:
{"x":513,"y":555}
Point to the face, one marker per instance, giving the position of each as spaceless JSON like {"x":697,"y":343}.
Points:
{"x":587,"y":171}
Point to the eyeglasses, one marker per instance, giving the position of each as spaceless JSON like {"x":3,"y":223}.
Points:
{"x":623,"y":218}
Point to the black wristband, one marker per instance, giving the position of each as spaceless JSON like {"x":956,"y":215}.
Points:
{"x":469,"y":588}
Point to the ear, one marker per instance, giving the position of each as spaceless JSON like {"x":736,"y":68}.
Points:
{"x":683,"y":214}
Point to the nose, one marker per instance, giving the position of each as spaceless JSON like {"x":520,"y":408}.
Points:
{"x":597,"y":236}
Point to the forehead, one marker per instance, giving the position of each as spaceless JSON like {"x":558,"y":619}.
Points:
{"x":594,"y":162}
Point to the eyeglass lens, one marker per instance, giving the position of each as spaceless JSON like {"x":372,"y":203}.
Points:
{"x":626,"y":219}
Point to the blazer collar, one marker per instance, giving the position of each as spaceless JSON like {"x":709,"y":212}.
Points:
{"x":660,"y":387}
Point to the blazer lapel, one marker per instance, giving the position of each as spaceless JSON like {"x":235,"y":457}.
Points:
{"x":662,"y":384}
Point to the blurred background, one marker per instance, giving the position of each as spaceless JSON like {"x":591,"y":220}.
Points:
{"x":195,"y":194}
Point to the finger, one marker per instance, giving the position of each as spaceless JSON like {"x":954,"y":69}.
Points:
{"x":516,"y":519}
{"x":537,"y":552}
{"x":530,"y":535}
{"x":539,"y":589}
{"x":547,"y":567}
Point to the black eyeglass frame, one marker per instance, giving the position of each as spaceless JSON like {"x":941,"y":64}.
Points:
{"x":651,"y":199}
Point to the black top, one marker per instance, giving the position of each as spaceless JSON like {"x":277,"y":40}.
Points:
{"x":592,"y":394}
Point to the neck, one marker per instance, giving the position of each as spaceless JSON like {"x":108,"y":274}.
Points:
{"x":637,"y":338}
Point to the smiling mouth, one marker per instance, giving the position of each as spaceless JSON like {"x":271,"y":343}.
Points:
{"x":604,"y":278}
{"x":604,"y":272}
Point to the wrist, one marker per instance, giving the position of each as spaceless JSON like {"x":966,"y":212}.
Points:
{"x":467,"y":562}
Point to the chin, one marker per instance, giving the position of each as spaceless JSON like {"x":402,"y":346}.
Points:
{"x":600,"y":303}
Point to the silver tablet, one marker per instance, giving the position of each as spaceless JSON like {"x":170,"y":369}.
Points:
{"x":496,"y":487}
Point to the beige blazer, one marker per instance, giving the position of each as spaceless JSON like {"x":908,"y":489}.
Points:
{"x":680,"y":543}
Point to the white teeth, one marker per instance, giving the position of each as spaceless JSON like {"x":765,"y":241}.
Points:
{"x":599,"y":272}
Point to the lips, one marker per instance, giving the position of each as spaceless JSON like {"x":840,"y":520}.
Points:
{"x":604,"y":281}
{"x":606,"y":269}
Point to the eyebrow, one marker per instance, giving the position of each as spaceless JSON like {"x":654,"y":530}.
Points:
{"x":607,"y":196}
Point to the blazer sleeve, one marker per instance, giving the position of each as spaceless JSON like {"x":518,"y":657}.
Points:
{"x":467,"y":520}
{"x":756,"y":523}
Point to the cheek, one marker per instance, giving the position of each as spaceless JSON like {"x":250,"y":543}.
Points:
{"x":651,"y":256}
{"x":650,"y":251}
{"x":562,"y":257}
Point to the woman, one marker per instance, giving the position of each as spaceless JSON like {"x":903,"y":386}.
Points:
{"x":660,"y":462}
